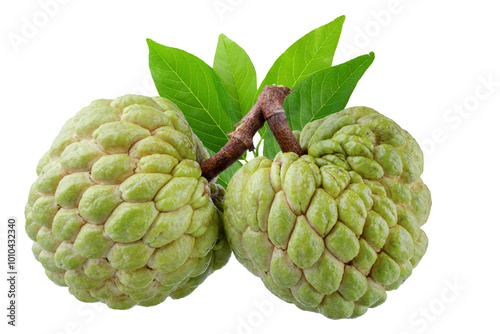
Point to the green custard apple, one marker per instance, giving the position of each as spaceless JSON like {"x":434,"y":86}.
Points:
{"x":120,"y":212}
{"x":332,"y":230}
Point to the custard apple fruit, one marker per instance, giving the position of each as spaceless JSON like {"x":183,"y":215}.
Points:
{"x":331,"y":231}
{"x":120,"y":212}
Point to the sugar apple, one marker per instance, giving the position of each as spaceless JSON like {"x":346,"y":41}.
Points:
{"x":119,"y":212}
{"x":331,"y":231}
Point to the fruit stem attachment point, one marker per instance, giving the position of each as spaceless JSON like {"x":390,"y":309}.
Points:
{"x":269,"y":107}
{"x":274,"y":114}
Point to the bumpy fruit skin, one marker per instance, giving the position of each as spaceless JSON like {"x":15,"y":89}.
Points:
{"x":119,"y":212}
{"x":333,"y":230}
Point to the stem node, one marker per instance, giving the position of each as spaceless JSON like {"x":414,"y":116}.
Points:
{"x":269,"y":107}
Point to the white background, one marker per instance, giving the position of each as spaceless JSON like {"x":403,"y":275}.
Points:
{"x":434,"y":60}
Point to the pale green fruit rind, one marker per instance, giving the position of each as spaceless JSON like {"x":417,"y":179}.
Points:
{"x":385,"y":270}
{"x":335,"y":306}
{"x":258,"y":248}
{"x":44,"y":211}
{"x":57,"y":278}
{"x":118,"y":137}
{"x":83,"y":295}
{"x":258,"y":198}
{"x":92,"y":242}
{"x":322,"y":213}
{"x":77,"y":279}
{"x":305,"y":246}
{"x":366,"y":257}
{"x":130,"y":221}
{"x":374,"y":292}
{"x":80,"y":156}
{"x":137,"y":278}
{"x":153,"y":146}
{"x":67,"y":257}
{"x":334,"y":229}
{"x":143,"y":187}
{"x":47,"y":240}
{"x":112,"y":169}
{"x":157,"y":163}
{"x":98,"y":268}
{"x":67,"y":224}
{"x":98,"y":202}
{"x":48,"y":262}
{"x":169,"y":226}
{"x":71,"y":188}
{"x":172,"y":256}
{"x":176,"y":193}
{"x":326,"y":274}
{"x":399,"y":244}
{"x":281,"y":221}
{"x":49,"y":178}
{"x":305,"y":294}
{"x":120,"y":207}
{"x":299,"y":186}
{"x":343,"y":243}
{"x":352,"y":211}
{"x":353,"y":284}
{"x":205,"y":242}
{"x":283,"y":271}
{"x":182,"y":144}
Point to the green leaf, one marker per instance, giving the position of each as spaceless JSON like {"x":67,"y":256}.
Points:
{"x":237,"y":74}
{"x":224,"y":177}
{"x":271,"y":146}
{"x":312,"y":53}
{"x":326,"y":92}
{"x":196,"y":89}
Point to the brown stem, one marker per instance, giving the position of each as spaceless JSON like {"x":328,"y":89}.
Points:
{"x":275,"y":116}
{"x":268,"y":107}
